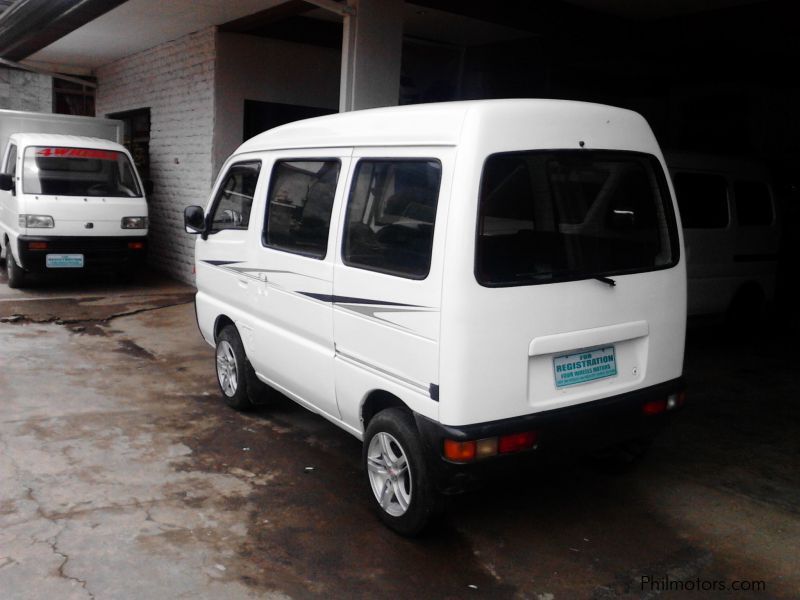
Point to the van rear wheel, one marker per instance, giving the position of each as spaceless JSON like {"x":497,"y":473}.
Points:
{"x":401,"y":488}
{"x":15,"y":274}
{"x":235,"y":375}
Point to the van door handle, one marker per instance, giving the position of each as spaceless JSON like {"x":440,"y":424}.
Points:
{"x":243,"y":283}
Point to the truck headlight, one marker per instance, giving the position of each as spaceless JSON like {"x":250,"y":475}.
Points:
{"x":134,"y":222}
{"x":37,"y":221}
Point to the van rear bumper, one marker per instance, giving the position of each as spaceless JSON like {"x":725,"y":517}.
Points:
{"x":561,"y":432}
{"x":98,"y":252}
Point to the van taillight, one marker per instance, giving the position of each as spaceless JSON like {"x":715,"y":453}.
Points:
{"x":37,"y":245}
{"x":654,"y":407}
{"x":516,"y":442}
{"x":460,"y":451}
{"x":136,"y":245}
{"x":671,"y":402}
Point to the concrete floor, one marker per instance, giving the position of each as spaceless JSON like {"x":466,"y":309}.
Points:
{"x":122,"y":475}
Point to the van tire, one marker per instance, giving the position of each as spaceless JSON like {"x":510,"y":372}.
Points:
{"x":15,"y":274}
{"x":392,"y":438}
{"x":234,"y":372}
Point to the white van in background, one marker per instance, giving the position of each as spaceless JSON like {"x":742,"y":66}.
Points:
{"x":732,"y":234}
{"x":69,"y":202}
{"x":458,"y":285}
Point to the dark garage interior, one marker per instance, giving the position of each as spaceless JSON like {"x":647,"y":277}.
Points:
{"x":713,"y":77}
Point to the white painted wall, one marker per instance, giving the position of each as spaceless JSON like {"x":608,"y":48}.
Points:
{"x":23,"y":90}
{"x":268,"y":70}
{"x":176,"y":81}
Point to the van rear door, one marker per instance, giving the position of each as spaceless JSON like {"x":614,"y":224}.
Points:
{"x":576,"y":295}
{"x":387,"y":282}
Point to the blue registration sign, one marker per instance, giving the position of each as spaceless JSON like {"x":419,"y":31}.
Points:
{"x":64,"y":261}
{"x":583,"y":367}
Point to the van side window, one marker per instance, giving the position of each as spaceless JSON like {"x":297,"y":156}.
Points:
{"x":11,"y":165}
{"x":390,"y":216}
{"x":299,"y":205}
{"x":753,"y":203}
{"x":703,"y":200}
{"x":231,"y":208}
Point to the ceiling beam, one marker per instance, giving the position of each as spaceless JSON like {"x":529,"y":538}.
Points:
{"x":30,"y":25}
{"x":269,"y":16}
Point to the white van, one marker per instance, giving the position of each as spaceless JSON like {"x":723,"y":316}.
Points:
{"x":732,"y":233}
{"x":455,"y":284}
{"x":69,"y":202}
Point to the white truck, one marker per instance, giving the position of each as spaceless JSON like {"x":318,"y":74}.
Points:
{"x":70,"y":196}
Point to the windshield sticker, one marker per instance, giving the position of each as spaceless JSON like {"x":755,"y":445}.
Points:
{"x":78,"y":153}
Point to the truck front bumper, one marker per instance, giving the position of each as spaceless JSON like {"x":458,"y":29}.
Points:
{"x":560,"y":432}
{"x":97,"y":252}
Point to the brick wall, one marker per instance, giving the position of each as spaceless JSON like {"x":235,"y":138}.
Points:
{"x":22,"y":90}
{"x":176,"y":82}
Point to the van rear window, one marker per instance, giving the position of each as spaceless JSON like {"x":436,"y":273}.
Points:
{"x":59,"y":171}
{"x":561,"y":215}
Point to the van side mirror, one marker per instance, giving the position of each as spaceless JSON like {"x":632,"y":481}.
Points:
{"x":148,"y":186}
{"x":7,"y":183}
{"x":194,"y":219}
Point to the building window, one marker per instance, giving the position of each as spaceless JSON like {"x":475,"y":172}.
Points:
{"x":261,"y":116}
{"x":70,"y":98}
{"x":137,"y":137}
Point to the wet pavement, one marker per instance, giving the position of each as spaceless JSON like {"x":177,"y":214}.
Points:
{"x":122,"y":475}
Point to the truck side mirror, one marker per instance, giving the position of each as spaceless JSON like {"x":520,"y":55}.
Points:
{"x":7,"y":183}
{"x":194,"y":219}
{"x":148,"y":186}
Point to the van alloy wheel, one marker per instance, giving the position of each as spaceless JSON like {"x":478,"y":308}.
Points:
{"x":227,"y":371}
{"x":389,"y":474}
{"x":401,"y":488}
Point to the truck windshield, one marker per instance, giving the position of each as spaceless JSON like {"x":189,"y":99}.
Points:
{"x":562,"y":215}
{"x":78,"y":172}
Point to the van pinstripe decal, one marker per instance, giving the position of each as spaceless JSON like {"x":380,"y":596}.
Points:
{"x":366,"y":307}
{"x":351,"y":300}
{"x":222,"y":263}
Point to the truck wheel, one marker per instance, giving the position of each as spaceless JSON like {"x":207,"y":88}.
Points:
{"x":16,"y":276}
{"x":234,"y":373}
{"x":401,"y":487}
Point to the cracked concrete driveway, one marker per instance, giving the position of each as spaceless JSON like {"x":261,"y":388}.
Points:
{"x":123,"y":476}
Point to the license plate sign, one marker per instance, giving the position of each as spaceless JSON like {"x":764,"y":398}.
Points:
{"x":64,"y":261}
{"x":583,"y":367}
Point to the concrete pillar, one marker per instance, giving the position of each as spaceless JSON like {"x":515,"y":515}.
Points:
{"x":371,"y":51}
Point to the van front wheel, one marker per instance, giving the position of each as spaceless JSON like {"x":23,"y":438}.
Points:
{"x":232,"y":369}
{"x":15,"y":274}
{"x":397,"y":474}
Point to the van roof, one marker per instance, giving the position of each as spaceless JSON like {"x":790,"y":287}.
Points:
{"x":437,"y":124}
{"x":67,"y":141}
